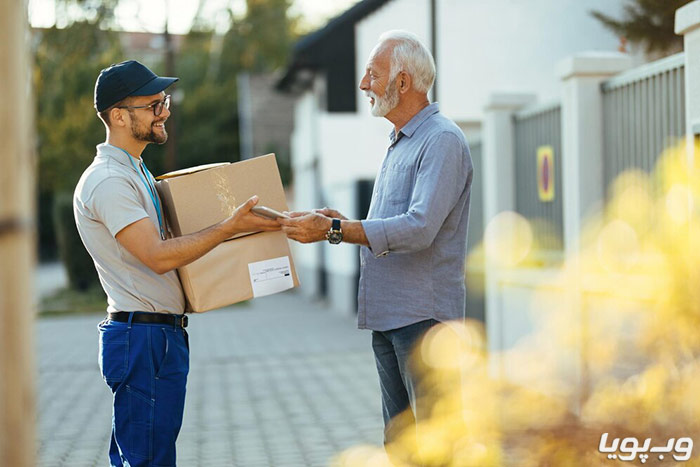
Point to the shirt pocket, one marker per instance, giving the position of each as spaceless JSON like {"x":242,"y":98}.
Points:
{"x":399,"y":183}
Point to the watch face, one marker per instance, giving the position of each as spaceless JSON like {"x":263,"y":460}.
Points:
{"x":335,"y":237}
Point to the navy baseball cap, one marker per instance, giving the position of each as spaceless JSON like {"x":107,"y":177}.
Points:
{"x":125,"y":79}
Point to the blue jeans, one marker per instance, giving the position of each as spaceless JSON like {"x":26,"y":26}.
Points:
{"x":146,"y":367}
{"x":398,"y":379}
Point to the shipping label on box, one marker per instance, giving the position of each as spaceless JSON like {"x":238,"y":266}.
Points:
{"x":248,"y":265}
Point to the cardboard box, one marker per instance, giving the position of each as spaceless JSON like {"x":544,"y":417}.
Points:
{"x":245,"y":266}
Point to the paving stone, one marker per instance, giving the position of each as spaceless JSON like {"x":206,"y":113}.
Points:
{"x":279,"y":381}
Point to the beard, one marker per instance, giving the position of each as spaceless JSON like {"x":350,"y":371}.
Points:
{"x":148,"y":134}
{"x":385,"y":104}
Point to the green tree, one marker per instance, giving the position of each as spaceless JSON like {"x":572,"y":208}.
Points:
{"x":208,"y":65}
{"x":207,"y":115}
{"x":649,"y":23}
{"x":65,"y":66}
{"x":262,"y":40}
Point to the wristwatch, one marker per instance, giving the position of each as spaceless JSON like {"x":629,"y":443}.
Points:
{"x":334,"y":235}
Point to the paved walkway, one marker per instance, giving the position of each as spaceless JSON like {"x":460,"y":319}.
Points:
{"x":276,"y":382}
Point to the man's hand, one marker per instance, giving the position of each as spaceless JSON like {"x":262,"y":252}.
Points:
{"x":243,"y":220}
{"x":297,"y":213}
{"x":306,"y":227}
{"x":332,"y":213}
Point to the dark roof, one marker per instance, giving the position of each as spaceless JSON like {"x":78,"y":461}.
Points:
{"x":321,"y":47}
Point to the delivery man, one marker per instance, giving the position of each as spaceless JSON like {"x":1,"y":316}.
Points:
{"x":143,"y":346}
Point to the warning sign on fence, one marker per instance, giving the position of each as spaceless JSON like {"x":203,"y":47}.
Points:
{"x":545,"y":173}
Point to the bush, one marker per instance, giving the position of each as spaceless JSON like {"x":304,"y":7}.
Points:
{"x":79,"y":265}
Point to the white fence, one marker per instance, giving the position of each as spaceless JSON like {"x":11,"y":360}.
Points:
{"x":643,"y":113}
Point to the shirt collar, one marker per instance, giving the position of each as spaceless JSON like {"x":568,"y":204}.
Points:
{"x":119,"y":155}
{"x":413,"y":124}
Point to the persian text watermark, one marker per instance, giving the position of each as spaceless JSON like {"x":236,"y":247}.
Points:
{"x":630,"y":448}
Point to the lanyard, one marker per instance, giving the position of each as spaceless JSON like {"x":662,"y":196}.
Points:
{"x":147,"y":180}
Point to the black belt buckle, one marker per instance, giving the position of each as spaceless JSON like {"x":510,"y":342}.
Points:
{"x":184,"y":321}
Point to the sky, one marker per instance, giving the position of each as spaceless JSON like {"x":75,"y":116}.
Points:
{"x":149,"y":15}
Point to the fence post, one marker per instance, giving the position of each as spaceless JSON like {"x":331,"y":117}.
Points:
{"x":498,"y":161}
{"x":17,"y":241}
{"x":688,"y":25}
{"x":582,"y":136}
{"x":583,"y":186}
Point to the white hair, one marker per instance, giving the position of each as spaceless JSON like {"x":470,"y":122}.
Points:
{"x":411,"y":56}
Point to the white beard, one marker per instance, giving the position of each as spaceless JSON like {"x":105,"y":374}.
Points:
{"x":387,"y":103}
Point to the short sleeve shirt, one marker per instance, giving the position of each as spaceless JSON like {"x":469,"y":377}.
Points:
{"x":110,"y":196}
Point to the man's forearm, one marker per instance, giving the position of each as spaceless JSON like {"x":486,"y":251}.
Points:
{"x":353,"y":232}
{"x":181,"y":251}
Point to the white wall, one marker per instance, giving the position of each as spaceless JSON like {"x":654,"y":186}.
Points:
{"x":304,"y":136}
{"x":352,"y":148}
{"x":304,"y":146}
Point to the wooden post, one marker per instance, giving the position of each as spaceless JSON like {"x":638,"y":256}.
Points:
{"x":17,"y":240}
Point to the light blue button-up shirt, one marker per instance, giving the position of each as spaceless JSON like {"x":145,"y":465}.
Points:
{"x":417,"y":227}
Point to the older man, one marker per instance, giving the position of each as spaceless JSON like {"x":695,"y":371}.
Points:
{"x":144,"y":351}
{"x":414,"y":237}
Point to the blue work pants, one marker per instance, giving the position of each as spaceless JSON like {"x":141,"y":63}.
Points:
{"x":146,"y":367}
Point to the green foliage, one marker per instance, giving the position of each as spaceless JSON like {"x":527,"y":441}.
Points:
{"x":213,"y":109}
{"x":79,"y":265}
{"x":208,"y":65}
{"x":649,"y":23}
{"x":262,"y":40}
{"x":283,"y":164}
{"x":65,"y":66}
{"x":207,"y":117}
{"x":67,"y":62}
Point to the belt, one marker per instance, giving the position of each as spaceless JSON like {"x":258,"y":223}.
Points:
{"x":149,"y":318}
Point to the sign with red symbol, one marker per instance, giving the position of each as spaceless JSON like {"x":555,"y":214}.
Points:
{"x":545,"y":173}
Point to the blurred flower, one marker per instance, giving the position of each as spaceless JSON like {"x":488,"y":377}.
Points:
{"x":508,"y":239}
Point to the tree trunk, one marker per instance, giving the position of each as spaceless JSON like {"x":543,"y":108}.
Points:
{"x":17,"y":240}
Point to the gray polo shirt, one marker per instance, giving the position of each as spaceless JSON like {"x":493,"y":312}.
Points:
{"x":417,"y":227}
{"x":110,"y":196}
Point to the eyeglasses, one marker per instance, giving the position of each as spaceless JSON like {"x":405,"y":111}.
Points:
{"x":157,"y":106}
